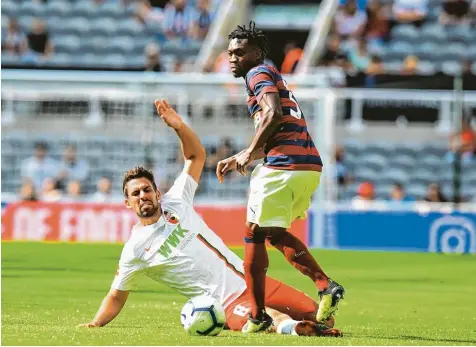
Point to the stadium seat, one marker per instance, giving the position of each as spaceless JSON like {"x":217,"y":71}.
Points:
{"x":67,"y":44}
{"x":58,"y":8}
{"x":10,"y":8}
{"x":405,"y":32}
{"x":432,"y":32}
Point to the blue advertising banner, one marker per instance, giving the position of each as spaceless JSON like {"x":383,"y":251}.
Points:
{"x":390,"y":230}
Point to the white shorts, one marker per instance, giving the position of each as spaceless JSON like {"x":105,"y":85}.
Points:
{"x":278,"y":197}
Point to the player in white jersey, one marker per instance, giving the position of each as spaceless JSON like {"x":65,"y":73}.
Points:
{"x":171,"y":244}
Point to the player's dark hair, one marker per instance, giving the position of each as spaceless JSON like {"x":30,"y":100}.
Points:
{"x":254,"y":36}
{"x":137,"y":172}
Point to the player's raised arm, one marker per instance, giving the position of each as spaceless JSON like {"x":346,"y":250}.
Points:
{"x":271,"y":115}
{"x":109,"y":309}
{"x":193,"y":150}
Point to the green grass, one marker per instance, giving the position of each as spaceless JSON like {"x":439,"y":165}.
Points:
{"x":393,"y":299}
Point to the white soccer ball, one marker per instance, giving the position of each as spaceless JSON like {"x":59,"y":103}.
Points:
{"x":203,"y":316}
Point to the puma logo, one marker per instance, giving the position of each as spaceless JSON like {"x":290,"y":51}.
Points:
{"x":297,"y":255}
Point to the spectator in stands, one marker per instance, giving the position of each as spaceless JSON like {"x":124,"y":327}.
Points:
{"x":13,"y":39}
{"x":51,"y":191}
{"x":463,"y":142}
{"x":410,"y":65}
{"x":152,"y":58}
{"x":350,"y":21}
{"x":332,"y":50}
{"x":151,"y":17}
{"x":178,"y":19}
{"x":224,"y":150}
{"x":376,"y":66}
{"x":28,"y":191}
{"x":39,"y":43}
{"x":201,"y":20}
{"x":343,"y":175}
{"x":410,"y":11}
{"x":222,"y":63}
{"x":398,"y":194}
{"x":365,"y":192}
{"x":73,"y":191}
{"x":360,"y":57}
{"x":39,"y":167}
{"x":455,"y":12}
{"x":72,"y":168}
{"x":104,"y":190}
{"x":365,"y":196}
{"x":377,"y":25}
{"x":434,"y":194}
{"x":292,"y":56}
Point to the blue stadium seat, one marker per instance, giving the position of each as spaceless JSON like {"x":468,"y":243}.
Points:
{"x":395,"y":175}
{"x":459,"y":33}
{"x":60,"y":59}
{"x":417,"y":191}
{"x":426,"y":67}
{"x":399,"y":50}
{"x":454,"y":51}
{"x":9,"y":59}
{"x":67,"y":44}
{"x":30,"y":8}
{"x":76,"y":26}
{"x":451,"y":67}
{"x":10,"y":8}
{"x":404,"y":32}
{"x":402,"y":161}
{"x":84,"y":9}
{"x":427,"y":50}
{"x":433,"y":32}
{"x":114,"y":61}
{"x":130,"y":28}
{"x":58,"y":8}
{"x":121,"y":44}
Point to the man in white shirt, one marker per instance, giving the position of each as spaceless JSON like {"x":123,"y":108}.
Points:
{"x":171,"y":244}
{"x":39,"y":167}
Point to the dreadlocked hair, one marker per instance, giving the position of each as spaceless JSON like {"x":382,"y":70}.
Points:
{"x":253,"y":35}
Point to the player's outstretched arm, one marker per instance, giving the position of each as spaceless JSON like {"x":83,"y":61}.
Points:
{"x":109,"y":309}
{"x":192,"y":149}
{"x":270,"y":119}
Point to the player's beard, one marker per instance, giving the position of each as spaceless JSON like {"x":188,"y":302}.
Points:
{"x":148,"y":211}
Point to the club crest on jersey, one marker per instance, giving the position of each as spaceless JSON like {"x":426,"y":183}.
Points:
{"x":171,"y":218}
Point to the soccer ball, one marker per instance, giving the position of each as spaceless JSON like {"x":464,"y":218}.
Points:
{"x":203,"y":316}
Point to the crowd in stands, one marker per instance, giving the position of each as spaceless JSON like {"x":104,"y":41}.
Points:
{"x":363,"y":30}
{"x":46,"y":179}
{"x":461,"y":144}
{"x":28,"y":40}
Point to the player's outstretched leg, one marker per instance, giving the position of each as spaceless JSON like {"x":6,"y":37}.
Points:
{"x":330,"y":292}
{"x":285,"y":325}
{"x":256,"y":264}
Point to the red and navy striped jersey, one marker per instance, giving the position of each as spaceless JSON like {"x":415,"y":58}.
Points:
{"x":291,"y":146}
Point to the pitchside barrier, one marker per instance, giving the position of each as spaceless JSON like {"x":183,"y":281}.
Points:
{"x":406,"y":227}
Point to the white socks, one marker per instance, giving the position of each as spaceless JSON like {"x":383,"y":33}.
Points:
{"x":286,"y":327}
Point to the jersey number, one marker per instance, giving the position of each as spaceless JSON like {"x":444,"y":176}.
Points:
{"x":296,"y":114}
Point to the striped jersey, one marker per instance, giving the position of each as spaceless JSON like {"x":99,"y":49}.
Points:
{"x":291,"y":146}
{"x":181,"y":251}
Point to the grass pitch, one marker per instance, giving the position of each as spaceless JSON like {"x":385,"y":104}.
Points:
{"x":392,"y":299}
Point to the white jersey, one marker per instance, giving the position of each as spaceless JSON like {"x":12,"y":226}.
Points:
{"x":181,"y":251}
